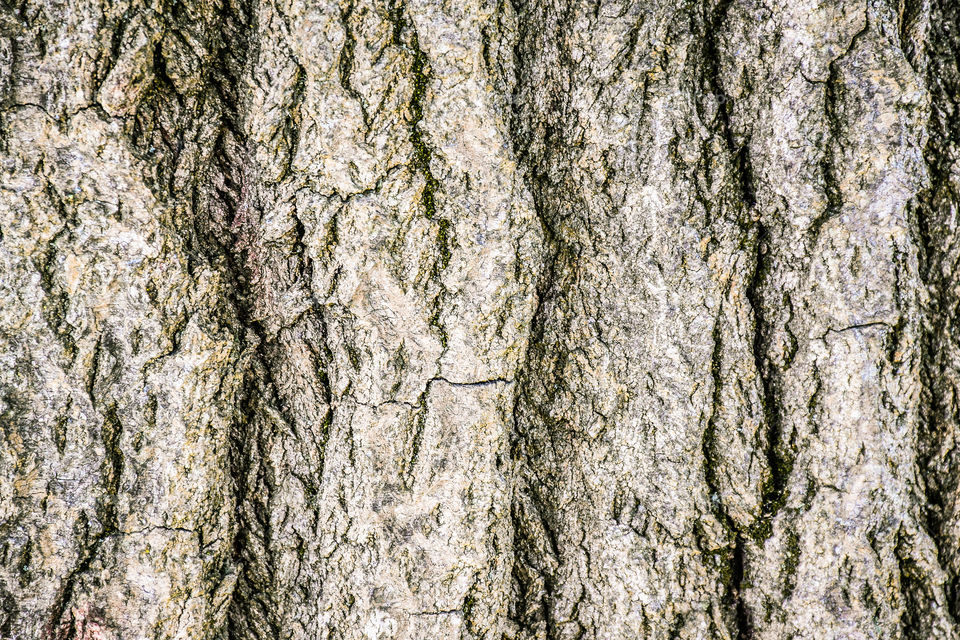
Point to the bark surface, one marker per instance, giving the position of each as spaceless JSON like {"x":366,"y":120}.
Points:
{"x":531,"y":320}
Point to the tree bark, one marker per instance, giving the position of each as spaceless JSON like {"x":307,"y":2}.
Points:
{"x":481,"y":319}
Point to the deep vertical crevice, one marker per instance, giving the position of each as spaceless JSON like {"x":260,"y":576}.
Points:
{"x":63,"y":622}
{"x":231,"y":218}
{"x":936,"y":210}
{"x":779,"y":454}
{"x":221,"y":231}
{"x":708,"y":444}
{"x":832,"y":91}
{"x":535,"y":544}
{"x":753,"y":233}
{"x":833,"y":94}
{"x":535,"y":140}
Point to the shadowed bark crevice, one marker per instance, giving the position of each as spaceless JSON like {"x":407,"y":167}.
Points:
{"x":225,"y":212}
{"x":936,"y":213}
{"x":714,"y":54}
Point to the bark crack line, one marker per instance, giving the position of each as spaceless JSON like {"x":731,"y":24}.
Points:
{"x":420,"y":417}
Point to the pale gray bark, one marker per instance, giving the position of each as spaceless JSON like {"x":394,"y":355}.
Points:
{"x":532,"y":320}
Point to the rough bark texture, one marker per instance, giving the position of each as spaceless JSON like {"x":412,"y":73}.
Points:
{"x":541,"y":319}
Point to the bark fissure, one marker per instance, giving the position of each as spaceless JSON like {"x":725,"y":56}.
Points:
{"x":779,"y":454}
{"x":223,"y":232}
{"x":752,"y":233}
{"x":939,"y":246}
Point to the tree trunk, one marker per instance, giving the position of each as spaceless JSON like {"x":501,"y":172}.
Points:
{"x":532,"y":320}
